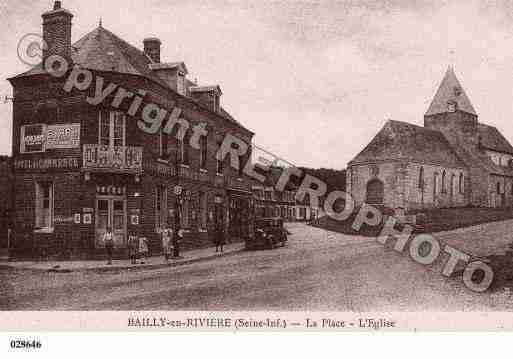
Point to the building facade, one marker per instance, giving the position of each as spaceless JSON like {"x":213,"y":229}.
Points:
{"x":82,"y":166}
{"x":272,"y":203}
{"x":6,"y":190}
{"x":454,"y":160}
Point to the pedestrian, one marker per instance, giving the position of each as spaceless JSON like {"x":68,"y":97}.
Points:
{"x":176,"y":243}
{"x":167,"y":244}
{"x":108,"y":239}
{"x":133,"y":243}
{"x":143,"y":249}
{"x":219,"y":238}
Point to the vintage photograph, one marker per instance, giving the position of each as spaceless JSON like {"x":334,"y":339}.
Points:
{"x":244,"y":156}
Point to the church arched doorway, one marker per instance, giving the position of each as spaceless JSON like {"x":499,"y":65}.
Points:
{"x":375,"y":192}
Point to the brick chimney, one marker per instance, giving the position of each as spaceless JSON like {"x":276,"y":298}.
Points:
{"x":57,"y":32}
{"x":152,"y":48}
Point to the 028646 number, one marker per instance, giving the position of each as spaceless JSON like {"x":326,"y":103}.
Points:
{"x":26,"y":344}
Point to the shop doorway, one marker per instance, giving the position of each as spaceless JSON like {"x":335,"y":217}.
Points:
{"x":111,"y":212}
{"x":239,"y":217}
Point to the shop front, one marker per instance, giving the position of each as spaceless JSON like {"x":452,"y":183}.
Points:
{"x":240,"y":213}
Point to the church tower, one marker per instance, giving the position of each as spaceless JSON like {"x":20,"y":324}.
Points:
{"x":452,"y":113}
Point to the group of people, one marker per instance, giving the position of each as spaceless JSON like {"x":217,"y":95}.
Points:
{"x":138,"y":246}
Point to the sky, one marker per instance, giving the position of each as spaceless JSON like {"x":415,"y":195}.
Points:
{"x":315,"y":80}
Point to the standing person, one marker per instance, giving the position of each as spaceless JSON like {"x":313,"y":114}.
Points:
{"x":167,"y":246}
{"x":108,"y":239}
{"x":132,"y":248}
{"x":176,"y":243}
{"x":143,"y":249}
{"x":220,"y":241}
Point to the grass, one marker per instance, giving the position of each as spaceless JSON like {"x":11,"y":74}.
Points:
{"x":437,"y":220}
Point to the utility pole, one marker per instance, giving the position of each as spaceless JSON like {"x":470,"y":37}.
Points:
{"x":178,"y":191}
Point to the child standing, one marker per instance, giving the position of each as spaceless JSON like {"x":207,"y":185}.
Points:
{"x":143,"y":249}
{"x":167,"y":244}
{"x":132,"y":248}
{"x":108,"y":239}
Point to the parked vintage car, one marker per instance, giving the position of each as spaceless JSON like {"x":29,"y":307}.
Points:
{"x":269,"y":233}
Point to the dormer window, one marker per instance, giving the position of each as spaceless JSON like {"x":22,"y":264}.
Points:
{"x":180,"y":83}
{"x":215,"y":100}
{"x":452,"y":106}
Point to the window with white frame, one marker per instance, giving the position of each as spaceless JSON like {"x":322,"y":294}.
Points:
{"x":183,"y":151}
{"x":203,"y":152}
{"x":160,"y":207}
{"x":203,"y":210}
{"x":44,"y":204}
{"x":112,"y":128}
{"x":219,"y":166}
{"x":164,"y":144}
{"x":180,"y":83}
{"x":184,"y":216}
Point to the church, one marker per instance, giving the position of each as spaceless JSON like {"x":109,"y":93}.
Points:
{"x":454,"y":160}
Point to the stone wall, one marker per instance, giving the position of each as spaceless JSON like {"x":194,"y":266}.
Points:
{"x":401,"y":185}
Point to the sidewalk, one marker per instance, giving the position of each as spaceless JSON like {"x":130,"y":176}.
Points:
{"x":101,"y":266}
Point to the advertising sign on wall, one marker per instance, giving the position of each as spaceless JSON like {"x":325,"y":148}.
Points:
{"x":40,"y":137}
{"x":32,"y":138}
{"x":63,"y":136}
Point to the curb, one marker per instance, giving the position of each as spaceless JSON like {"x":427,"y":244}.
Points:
{"x":129,"y":267}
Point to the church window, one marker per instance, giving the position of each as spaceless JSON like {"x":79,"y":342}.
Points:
{"x":444,"y":189}
{"x":421,"y":178}
{"x":435,"y":185}
{"x":460,"y":185}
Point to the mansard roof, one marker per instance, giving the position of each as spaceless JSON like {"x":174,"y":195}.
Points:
{"x":450,"y":91}
{"x":405,"y":141}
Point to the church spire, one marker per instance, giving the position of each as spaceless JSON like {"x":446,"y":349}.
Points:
{"x":450,"y":97}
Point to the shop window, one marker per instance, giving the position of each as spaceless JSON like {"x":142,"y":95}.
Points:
{"x":160,"y":207}
{"x":44,"y":205}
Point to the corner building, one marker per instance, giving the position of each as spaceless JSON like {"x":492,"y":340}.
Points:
{"x":80,"y":168}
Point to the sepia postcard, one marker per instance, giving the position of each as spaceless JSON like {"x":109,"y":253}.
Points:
{"x":291,"y":166}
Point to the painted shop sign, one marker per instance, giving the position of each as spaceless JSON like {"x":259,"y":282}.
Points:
{"x":192,"y":175}
{"x":40,"y":137}
{"x":63,"y":136}
{"x":63,"y":219}
{"x":32,"y":139}
{"x":159,"y":169}
{"x":47,"y":163}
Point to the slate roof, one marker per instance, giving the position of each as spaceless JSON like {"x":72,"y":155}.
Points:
{"x":450,"y":90}
{"x":405,"y":141}
{"x":102,"y":50}
{"x":493,"y":140}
